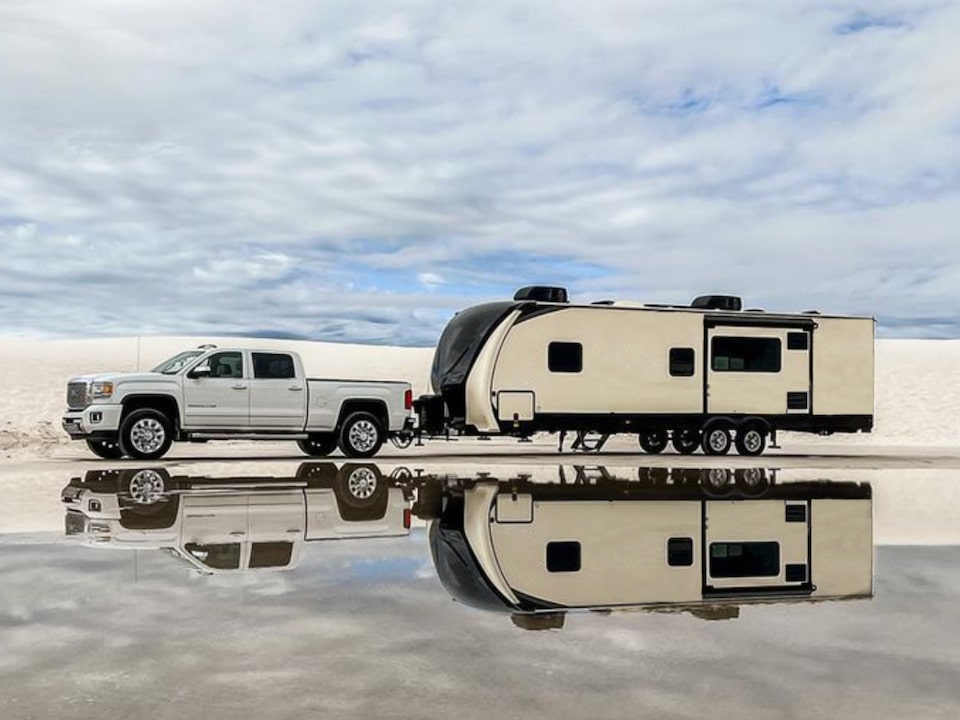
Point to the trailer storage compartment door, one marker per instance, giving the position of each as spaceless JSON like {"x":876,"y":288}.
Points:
{"x":758,"y":370}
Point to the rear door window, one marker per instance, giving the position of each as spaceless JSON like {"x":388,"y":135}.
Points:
{"x":273,"y":366}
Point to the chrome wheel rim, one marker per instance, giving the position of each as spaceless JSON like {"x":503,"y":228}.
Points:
{"x":362,"y":483}
{"x":363,"y":436}
{"x":719,"y":440}
{"x":752,"y":440}
{"x":717,"y":477}
{"x":147,"y":435}
{"x":752,"y":477}
{"x":146,"y":487}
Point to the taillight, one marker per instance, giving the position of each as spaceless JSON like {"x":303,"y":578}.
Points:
{"x":406,"y":518}
{"x":408,"y":400}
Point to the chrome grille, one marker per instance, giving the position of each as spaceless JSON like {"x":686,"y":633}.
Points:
{"x":77,"y":395}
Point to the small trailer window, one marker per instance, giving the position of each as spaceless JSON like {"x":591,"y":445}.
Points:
{"x":680,"y":552}
{"x":746,"y":354}
{"x":798,"y":341}
{"x":565,"y":357}
{"x":744,"y":559}
{"x":682,"y":361}
{"x":563,"y":556}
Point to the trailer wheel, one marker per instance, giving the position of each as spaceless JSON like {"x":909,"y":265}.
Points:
{"x":653,"y":442}
{"x":685,"y":442}
{"x":751,"y":440}
{"x":716,"y":440}
{"x":361,"y":435}
{"x":318,"y":444}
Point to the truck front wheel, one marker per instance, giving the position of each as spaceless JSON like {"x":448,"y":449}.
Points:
{"x":106,"y":449}
{"x":318,"y":445}
{"x":361,"y":435}
{"x":146,"y":434}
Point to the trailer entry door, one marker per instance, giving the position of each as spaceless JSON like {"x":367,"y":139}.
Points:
{"x":758,"y":370}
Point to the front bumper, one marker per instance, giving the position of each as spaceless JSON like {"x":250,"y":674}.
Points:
{"x":95,"y":421}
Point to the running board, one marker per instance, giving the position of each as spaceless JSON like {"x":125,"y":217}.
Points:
{"x":247,"y":436}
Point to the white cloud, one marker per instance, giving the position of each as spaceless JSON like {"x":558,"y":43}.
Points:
{"x":303,"y":164}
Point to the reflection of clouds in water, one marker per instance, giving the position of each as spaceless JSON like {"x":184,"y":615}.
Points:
{"x":152,"y":634}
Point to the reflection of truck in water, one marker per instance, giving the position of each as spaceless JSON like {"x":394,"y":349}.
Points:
{"x":539,"y":550}
{"x":236,"y":523}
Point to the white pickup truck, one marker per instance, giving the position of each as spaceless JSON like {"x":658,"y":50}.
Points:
{"x":215,"y":393}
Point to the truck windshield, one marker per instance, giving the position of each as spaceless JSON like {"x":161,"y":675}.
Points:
{"x":177,"y":362}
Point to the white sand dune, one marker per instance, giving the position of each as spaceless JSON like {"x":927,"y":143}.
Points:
{"x":917,"y":399}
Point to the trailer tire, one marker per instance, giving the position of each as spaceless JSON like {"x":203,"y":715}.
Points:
{"x":318,"y":444}
{"x":685,"y":442}
{"x":361,"y":435}
{"x":106,"y":449}
{"x":751,"y":440}
{"x":716,"y":440}
{"x":654,"y":442}
{"x":146,"y":434}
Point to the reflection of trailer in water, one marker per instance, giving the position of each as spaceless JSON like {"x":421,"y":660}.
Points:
{"x":531,"y":549}
{"x":242,"y":523}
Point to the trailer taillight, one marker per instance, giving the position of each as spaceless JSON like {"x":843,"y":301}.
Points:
{"x":408,"y":400}
{"x":406,"y":518}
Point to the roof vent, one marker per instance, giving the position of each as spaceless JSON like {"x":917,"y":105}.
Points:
{"x":542,"y":293}
{"x":717,"y":302}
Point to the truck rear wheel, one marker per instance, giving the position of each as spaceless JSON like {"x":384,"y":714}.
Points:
{"x":146,"y":434}
{"x":318,"y":445}
{"x":106,"y":449}
{"x":653,"y":442}
{"x":361,"y":435}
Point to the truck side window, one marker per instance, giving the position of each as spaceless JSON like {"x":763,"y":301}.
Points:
{"x":226,"y":365}
{"x":270,"y":554}
{"x":565,"y":357}
{"x":746,"y":354}
{"x":682,"y":362}
{"x":273,"y":366}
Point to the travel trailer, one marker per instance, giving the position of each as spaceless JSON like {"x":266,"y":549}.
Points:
{"x":218,"y":525}
{"x":522,"y":548}
{"x":710,"y":375}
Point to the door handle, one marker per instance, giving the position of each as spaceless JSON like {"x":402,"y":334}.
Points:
{"x":239,"y":386}
{"x":294,"y":530}
{"x":237,"y":533}
{"x":295,"y":388}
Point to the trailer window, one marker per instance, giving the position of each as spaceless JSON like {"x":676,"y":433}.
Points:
{"x":563,"y":556}
{"x":273,"y":366}
{"x":746,"y":354}
{"x":745,"y":559}
{"x":798,"y":341}
{"x":682,"y":362}
{"x":680,"y":552}
{"x":565,"y":357}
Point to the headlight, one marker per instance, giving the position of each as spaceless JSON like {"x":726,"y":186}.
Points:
{"x":102,"y":390}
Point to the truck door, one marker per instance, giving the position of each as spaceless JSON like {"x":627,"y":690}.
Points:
{"x":222,"y":399}
{"x":277,"y":527}
{"x":758,"y":370}
{"x":278,"y":397}
{"x":214,"y":529}
{"x":752,"y":544}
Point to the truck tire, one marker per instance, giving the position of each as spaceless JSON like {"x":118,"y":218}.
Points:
{"x":654,"y":442}
{"x":146,"y":434}
{"x":318,"y":444}
{"x":716,"y":440}
{"x":361,"y":435}
{"x":106,"y":449}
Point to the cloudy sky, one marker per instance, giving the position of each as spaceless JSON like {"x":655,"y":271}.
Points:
{"x":358,"y":171}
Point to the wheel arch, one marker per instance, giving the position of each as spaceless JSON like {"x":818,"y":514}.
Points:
{"x":166,"y":404}
{"x":374,"y":406}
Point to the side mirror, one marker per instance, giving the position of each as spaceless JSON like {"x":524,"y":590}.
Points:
{"x":200,"y":371}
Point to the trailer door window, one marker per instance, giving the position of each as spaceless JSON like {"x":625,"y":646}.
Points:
{"x":682,"y":362}
{"x":746,"y":354}
{"x":565,"y":357}
{"x":744,"y":559}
